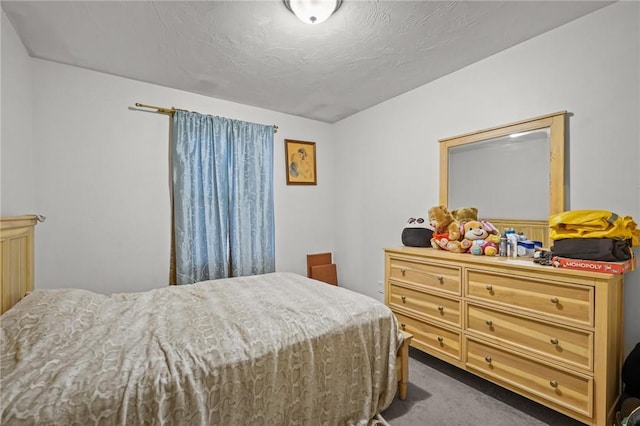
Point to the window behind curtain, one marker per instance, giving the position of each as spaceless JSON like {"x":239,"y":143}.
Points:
{"x":223,"y":197}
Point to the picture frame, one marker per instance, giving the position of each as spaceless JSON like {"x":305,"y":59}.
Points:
{"x":300,"y":162}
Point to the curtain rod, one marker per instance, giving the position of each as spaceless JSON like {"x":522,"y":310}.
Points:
{"x":170,"y":111}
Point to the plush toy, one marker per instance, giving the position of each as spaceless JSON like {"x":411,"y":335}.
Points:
{"x":483,"y":236}
{"x":442,"y":221}
{"x":446,"y":234}
{"x":442,"y":242}
{"x":465,"y":214}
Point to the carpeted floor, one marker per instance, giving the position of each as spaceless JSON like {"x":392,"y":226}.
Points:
{"x":441,"y":394}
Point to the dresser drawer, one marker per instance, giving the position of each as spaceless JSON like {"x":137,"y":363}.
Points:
{"x":426,"y":275}
{"x":565,"y":302}
{"x":560,"y":387}
{"x":431,"y":338}
{"x":426,"y":304}
{"x":570,"y":346}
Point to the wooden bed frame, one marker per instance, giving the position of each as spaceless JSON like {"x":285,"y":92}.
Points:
{"x":17,"y":253}
{"x":402,"y":365}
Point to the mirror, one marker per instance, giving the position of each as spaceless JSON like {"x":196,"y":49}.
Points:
{"x":514,"y":174}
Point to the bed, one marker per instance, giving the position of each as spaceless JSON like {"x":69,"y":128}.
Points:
{"x":274,"y":349}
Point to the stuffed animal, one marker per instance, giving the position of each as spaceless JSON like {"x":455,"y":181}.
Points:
{"x":442,"y":221}
{"x":446,"y":234}
{"x":482,"y":236}
{"x":465,"y":214}
{"x":442,"y":242}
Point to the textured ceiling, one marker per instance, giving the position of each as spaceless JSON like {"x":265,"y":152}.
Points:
{"x":258,"y":53}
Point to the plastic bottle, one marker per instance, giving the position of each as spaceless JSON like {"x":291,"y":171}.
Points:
{"x":512,"y":243}
{"x":502,"y":251}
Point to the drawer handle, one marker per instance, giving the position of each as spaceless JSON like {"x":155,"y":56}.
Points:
{"x":441,"y":279}
{"x":403,"y":325}
{"x":553,"y":384}
{"x":403,"y":271}
{"x":489,"y":323}
{"x":440,"y":339}
{"x":554,"y":300}
{"x":404,"y":299}
{"x":554,"y":341}
{"x":489,"y":287}
{"x":488,"y":359}
{"x":441,"y":308}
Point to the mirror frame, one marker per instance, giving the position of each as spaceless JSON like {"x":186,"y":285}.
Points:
{"x":535,"y":229}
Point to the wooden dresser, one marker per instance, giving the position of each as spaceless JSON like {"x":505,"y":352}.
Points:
{"x":551,"y":335}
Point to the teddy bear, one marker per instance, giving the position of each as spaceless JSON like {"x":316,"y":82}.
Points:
{"x":483,"y":236}
{"x":465,"y":214}
{"x":446,"y":231}
{"x":442,"y":242}
{"x":442,"y":221}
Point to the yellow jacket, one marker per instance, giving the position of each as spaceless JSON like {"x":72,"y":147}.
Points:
{"x":593,"y":224}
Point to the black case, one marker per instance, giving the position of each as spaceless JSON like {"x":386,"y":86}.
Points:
{"x":631,"y":372}
{"x":417,"y":237}
{"x":606,"y":249}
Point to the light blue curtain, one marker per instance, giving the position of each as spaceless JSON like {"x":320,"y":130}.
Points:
{"x":223,"y":197}
{"x":252,"y":232}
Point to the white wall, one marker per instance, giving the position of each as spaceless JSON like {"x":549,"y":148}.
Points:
{"x":16,"y":164}
{"x":103,"y":173}
{"x":73,"y":151}
{"x":388,"y":158}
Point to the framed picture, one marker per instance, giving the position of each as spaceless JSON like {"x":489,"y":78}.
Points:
{"x":301,"y":162}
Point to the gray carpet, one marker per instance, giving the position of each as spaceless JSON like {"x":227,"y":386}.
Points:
{"x":441,"y":394}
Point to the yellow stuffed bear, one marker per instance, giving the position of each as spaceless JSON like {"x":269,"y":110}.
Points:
{"x":465,"y":214}
{"x":443,"y":221}
{"x":446,"y":231}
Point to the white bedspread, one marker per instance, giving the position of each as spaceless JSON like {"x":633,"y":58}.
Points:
{"x":275,"y":349}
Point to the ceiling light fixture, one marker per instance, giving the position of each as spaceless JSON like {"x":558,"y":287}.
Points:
{"x":313,"y":11}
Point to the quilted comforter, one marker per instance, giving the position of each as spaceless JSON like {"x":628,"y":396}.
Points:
{"x":274,"y":349}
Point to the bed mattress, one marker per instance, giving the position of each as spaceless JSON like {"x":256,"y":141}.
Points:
{"x":274,"y":349}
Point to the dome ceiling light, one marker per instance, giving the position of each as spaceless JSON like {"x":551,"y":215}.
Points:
{"x":313,"y":11}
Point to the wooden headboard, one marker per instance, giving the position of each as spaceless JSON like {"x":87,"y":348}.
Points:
{"x":16,"y":252}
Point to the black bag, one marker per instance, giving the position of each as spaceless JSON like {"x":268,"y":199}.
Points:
{"x":416,"y":233}
{"x":606,"y":249}
{"x":631,"y":373}
{"x":417,"y":237}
